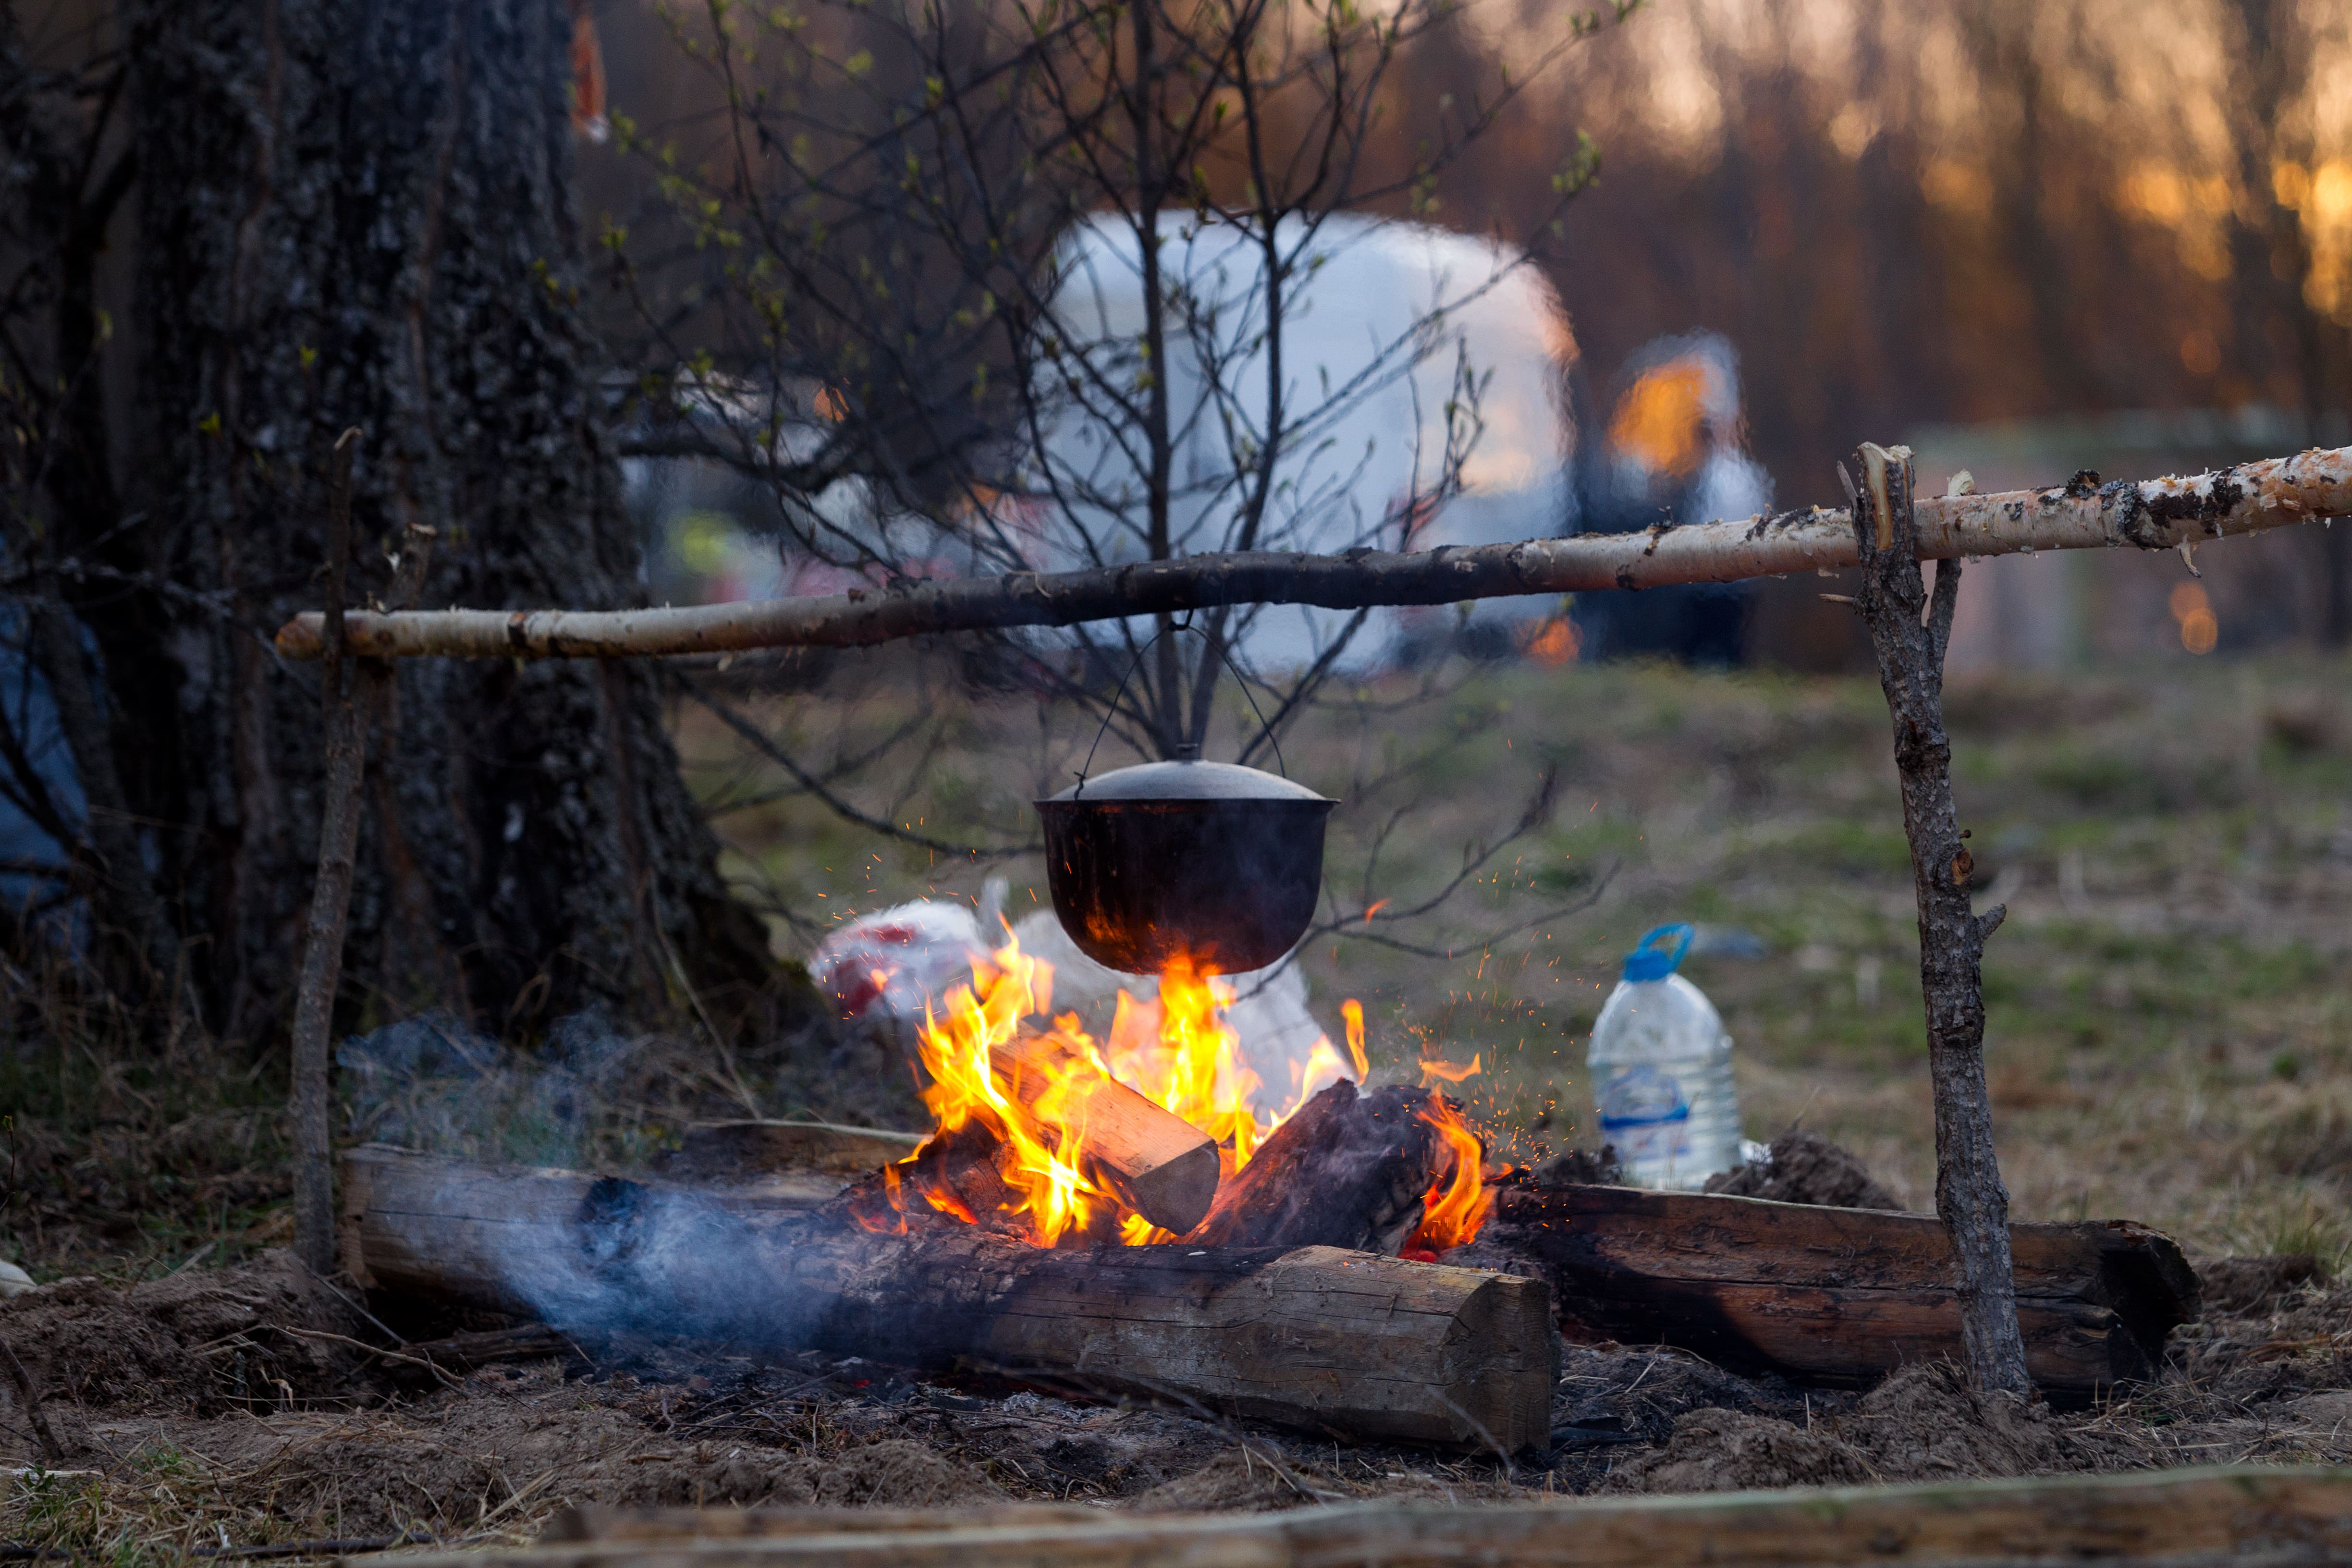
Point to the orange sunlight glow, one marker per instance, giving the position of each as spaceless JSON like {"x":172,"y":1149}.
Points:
{"x":1030,"y":1089}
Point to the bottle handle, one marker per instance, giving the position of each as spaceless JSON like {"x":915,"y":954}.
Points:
{"x":1682,"y":933}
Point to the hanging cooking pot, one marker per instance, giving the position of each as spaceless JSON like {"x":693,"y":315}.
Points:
{"x":1211,"y":861}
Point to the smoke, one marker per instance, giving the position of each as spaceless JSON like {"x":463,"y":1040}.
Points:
{"x":589,"y":1095}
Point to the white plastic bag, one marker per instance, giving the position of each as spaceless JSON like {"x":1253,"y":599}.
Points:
{"x":889,"y":965}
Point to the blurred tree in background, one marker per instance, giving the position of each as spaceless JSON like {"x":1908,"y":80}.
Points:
{"x":325,"y":214}
{"x":226,"y":233}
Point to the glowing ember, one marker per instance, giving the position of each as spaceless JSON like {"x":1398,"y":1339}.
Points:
{"x":1029,"y":1087}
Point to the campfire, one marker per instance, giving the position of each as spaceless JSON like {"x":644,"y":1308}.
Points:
{"x":1046,"y":1134}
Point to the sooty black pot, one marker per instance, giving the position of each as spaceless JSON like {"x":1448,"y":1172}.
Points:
{"x":1206,"y":860}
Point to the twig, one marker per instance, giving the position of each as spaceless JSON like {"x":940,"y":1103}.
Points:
{"x":372,"y":1350}
{"x":52,"y":1453}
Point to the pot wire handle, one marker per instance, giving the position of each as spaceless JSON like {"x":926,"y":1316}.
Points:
{"x":1222,"y":652}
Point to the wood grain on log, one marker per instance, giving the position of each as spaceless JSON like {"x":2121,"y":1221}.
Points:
{"x":1317,"y":1337}
{"x":1831,"y":1295}
{"x":2153,"y":514}
{"x":2248,"y":1514}
{"x":1347,"y":1169}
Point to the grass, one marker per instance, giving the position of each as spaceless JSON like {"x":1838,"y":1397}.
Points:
{"x":2170,"y":1023}
{"x":2169,"y":1018}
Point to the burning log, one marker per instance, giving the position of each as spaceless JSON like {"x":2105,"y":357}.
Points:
{"x":1317,"y":1337}
{"x":1830,"y":1295}
{"x":1158,"y":1163}
{"x":1348,"y":1170}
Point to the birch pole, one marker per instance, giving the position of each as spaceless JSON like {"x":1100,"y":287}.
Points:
{"x":2153,"y":514}
{"x":1909,"y":632}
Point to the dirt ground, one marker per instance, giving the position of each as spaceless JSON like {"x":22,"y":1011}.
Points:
{"x":246,"y":1406}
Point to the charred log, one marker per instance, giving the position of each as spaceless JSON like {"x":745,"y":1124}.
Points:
{"x":1350,"y":1169}
{"x":1833,"y":1295}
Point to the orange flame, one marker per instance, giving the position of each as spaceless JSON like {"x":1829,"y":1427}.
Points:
{"x":1179,"y":1053}
{"x":1447,"y":1072}
{"x":959,"y":1051}
{"x":1031,"y":1088}
{"x":1452,"y":1216}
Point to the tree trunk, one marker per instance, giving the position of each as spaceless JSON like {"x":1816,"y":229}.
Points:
{"x":360,"y":215}
{"x":1909,"y":633}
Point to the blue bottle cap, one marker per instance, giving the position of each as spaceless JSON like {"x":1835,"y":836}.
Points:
{"x":1659,"y":952}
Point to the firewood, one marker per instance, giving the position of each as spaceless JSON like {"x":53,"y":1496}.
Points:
{"x":1831,"y":1295}
{"x":1317,"y":1337}
{"x":1160,"y":1164}
{"x":1348,"y":1169}
{"x":2256,"y":1513}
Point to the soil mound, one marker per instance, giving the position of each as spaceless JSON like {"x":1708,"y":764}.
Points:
{"x":194,"y":1343}
{"x":1923,"y":1423}
{"x":1806,"y":1168}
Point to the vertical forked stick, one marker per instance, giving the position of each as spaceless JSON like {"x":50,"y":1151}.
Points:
{"x":1909,"y":632}
{"x":352,"y":707}
{"x":330,"y":899}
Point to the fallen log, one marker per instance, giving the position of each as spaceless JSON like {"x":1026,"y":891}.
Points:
{"x":2246,"y":1513}
{"x":1831,"y":1295}
{"x":1317,"y":1337}
{"x":2153,"y":514}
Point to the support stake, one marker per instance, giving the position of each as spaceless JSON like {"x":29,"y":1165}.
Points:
{"x":1910,"y":632}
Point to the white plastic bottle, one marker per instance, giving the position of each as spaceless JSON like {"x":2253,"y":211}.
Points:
{"x":1661,"y":1068}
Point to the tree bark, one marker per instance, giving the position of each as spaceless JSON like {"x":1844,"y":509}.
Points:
{"x":1909,"y":633}
{"x":2155,"y":514}
{"x":360,"y":215}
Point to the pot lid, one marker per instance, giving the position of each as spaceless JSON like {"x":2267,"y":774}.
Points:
{"x":1189,"y":780}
